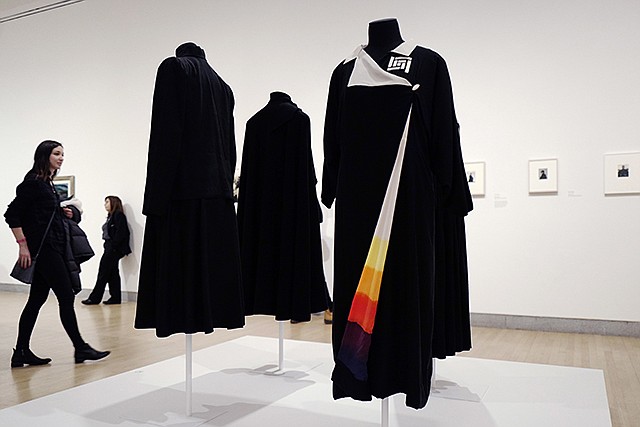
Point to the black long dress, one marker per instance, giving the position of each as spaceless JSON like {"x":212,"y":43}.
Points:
{"x":190,"y":279}
{"x":366,"y":114}
{"x":279,"y":215}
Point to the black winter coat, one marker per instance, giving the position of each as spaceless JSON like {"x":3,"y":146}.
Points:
{"x":77,"y":248}
{"x":78,"y":240}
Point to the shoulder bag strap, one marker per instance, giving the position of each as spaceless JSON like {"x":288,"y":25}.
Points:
{"x":46,"y":232}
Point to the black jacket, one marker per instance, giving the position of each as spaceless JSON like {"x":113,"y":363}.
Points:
{"x":192,"y":151}
{"x":118,"y":231}
{"x":32,"y":208}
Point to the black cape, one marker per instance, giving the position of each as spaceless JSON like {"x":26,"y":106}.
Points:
{"x":279,"y":215}
{"x":190,"y":266}
{"x":366,"y":113}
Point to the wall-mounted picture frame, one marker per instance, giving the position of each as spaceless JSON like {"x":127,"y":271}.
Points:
{"x":65,"y":186}
{"x":622,"y":173}
{"x":475,"y":172}
{"x":543,"y":176}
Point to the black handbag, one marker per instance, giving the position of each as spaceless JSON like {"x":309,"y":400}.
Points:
{"x":25,"y":275}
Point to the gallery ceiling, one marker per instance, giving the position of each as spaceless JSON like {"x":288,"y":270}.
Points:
{"x":11,"y":10}
{"x":15,"y":6}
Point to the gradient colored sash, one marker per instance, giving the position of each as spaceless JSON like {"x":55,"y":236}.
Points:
{"x":354,"y":350}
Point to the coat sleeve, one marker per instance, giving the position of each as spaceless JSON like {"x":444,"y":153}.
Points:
{"x":167,"y":122}
{"x":331,"y":141}
{"x":77,"y":216}
{"x":448,"y":166}
{"x":13,"y":214}
{"x":25,"y":193}
{"x":313,"y":180}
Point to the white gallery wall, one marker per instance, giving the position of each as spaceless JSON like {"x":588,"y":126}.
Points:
{"x":531,"y":80}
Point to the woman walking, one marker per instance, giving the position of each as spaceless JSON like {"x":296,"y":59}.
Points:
{"x":36,"y":220}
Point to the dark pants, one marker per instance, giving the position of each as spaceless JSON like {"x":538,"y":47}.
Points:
{"x":108,"y":272}
{"x":50,"y":273}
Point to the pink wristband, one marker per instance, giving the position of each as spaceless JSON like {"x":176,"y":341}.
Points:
{"x":21,"y":240}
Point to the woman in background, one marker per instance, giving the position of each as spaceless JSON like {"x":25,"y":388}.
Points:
{"x":35,"y":206}
{"x":115,"y":233}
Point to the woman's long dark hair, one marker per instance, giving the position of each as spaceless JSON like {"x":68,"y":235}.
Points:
{"x":41,"y":164}
{"x":115,"y":203}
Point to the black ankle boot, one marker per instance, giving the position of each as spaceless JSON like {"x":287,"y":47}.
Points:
{"x":86,"y":352}
{"x":26,"y":357}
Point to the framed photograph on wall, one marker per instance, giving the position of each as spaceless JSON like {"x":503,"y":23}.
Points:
{"x":543,"y":176}
{"x":475,"y":178}
{"x":622,"y":173}
{"x":65,"y":186}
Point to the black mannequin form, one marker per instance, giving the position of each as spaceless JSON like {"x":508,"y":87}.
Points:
{"x":384,"y":35}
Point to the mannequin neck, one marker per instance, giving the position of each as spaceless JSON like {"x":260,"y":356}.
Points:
{"x":384,"y":35}
{"x":190,"y":49}
{"x":279,"y":96}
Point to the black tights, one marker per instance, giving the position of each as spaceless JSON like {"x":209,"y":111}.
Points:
{"x":51,"y":273}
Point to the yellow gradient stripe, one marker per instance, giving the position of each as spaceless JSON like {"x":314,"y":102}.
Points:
{"x":377,"y":253}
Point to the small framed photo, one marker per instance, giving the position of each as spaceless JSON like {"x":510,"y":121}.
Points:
{"x":622,"y":173}
{"x":475,"y":178}
{"x":65,"y":186}
{"x":543,"y":176}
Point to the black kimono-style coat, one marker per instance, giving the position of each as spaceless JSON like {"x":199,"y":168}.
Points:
{"x":279,"y":215}
{"x":368,"y":106}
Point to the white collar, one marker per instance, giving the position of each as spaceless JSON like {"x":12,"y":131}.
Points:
{"x":367,"y":72}
{"x":404,"y":48}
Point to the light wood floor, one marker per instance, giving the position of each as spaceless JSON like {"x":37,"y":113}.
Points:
{"x":110,"y":328}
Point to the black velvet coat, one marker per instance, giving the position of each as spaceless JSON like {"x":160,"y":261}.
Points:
{"x":367,"y":110}
{"x":279,"y":216}
{"x":190,"y":279}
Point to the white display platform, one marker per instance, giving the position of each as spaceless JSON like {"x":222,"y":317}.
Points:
{"x":234,"y":384}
